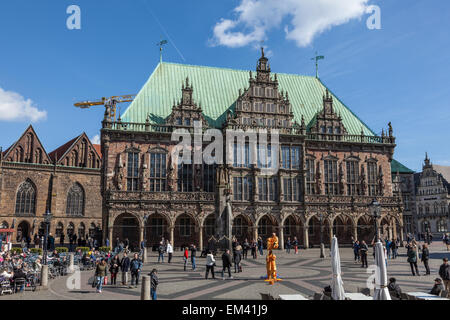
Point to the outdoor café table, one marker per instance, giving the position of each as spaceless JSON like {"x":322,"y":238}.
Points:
{"x":357,"y":296}
{"x":425,"y":296}
{"x":292,"y":297}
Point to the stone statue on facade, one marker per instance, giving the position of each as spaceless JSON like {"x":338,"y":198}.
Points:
{"x":362,"y":179}
{"x":318,"y":179}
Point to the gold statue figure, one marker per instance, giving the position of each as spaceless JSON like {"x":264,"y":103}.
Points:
{"x":271,"y":265}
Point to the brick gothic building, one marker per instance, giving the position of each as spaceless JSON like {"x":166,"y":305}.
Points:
{"x":331,"y":164}
{"x":66,"y":182}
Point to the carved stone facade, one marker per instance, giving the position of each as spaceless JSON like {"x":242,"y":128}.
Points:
{"x":433,"y":199}
{"x":31,"y":186}
{"x":323,"y":171}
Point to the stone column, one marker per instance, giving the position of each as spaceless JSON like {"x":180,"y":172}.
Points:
{"x":44,"y":276}
{"x":255,"y":233}
{"x":401,"y":236}
{"x":281,"y":244}
{"x":306,"y":237}
{"x":141,"y":236}
{"x":145,"y":290}
{"x":200,"y":238}
{"x":331,"y":233}
{"x":71,"y":262}
{"x":172,"y":240}
{"x":355,"y":230}
{"x":110,"y":236}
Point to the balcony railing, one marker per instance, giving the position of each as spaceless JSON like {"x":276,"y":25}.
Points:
{"x":161,"y":196}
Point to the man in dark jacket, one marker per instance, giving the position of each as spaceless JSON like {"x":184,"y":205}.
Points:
{"x":50,"y":243}
{"x":226,"y":264}
{"x":444,"y":273}
{"x":412,"y":259}
{"x":363,"y":250}
{"x":61,"y":239}
{"x":135,"y":268}
{"x":125,"y":266}
{"x":425,"y":258}
{"x":154,"y":283}
{"x":193,"y":255}
{"x":437,"y":288}
{"x":394,"y":288}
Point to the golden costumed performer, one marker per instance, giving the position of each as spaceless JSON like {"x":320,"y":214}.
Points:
{"x":272,"y":243}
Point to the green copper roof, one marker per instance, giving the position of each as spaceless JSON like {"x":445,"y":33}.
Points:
{"x":398,"y":167}
{"x":217,"y":89}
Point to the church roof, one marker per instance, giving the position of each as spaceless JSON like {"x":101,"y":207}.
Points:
{"x":444,"y":171}
{"x":400,"y":168}
{"x":217,"y":89}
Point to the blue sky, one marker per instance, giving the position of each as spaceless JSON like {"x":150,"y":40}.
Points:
{"x":399,"y":73}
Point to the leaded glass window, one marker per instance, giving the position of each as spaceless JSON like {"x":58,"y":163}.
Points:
{"x":75,"y":201}
{"x":26,"y":199}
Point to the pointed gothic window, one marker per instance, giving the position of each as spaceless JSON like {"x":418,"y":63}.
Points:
{"x":26,"y":199}
{"x":75,"y":201}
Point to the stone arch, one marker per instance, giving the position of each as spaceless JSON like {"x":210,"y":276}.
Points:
{"x":292,"y":227}
{"x":185,"y":230}
{"x":267,"y":224}
{"x":59,"y":229}
{"x":156,"y":228}
{"x":127,"y":226}
{"x":366,"y":228}
{"x":343,"y":228}
{"x":315,"y":230}
{"x":243,"y":228}
{"x":4,"y":225}
{"x":23,"y":230}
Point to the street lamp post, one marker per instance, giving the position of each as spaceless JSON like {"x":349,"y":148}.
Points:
{"x":376,"y":214}
{"x":47,"y":218}
{"x":322,"y":249}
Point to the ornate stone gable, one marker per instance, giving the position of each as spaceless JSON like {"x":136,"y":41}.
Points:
{"x":186,"y":111}
{"x":79,"y":152}
{"x":327,"y":122}
{"x":262,"y":104}
{"x":27,"y":149}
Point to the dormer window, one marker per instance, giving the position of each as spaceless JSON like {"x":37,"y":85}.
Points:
{"x":187,"y":122}
{"x":179,"y":121}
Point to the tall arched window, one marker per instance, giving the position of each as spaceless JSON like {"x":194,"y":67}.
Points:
{"x":26,"y":199}
{"x":75,"y":201}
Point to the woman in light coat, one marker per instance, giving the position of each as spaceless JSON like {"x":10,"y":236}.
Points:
{"x":210,"y":263}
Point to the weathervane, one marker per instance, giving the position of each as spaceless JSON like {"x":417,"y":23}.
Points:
{"x":160,"y":45}
{"x":317,"y":58}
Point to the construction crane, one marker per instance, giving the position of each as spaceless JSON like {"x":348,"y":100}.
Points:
{"x":109,"y":103}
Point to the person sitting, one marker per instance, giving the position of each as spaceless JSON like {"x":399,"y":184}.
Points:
{"x":438,"y":287}
{"x":394,"y":288}
{"x":327,"y":291}
{"x":19,"y":274}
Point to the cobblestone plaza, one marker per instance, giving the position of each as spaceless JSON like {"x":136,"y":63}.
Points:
{"x":304,"y":273}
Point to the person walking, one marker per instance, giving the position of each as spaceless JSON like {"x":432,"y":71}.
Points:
{"x":210,"y":263}
{"x":114,"y":269}
{"x":356,"y":248}
{"x":185,"y":257}
{"x":260,"y":246}
{"x":447,"y":241}
{"x":253,"y":248}
{"x":425,"y":258}
{"x":161,"y":252}
{"x":245,"y":247}
{"x":153,"y":283}
{"x":394,"y":248}
{"x":125,"y":266}
{"x":388,"y":248}
{"x":100,"y":274}
{"x":226,"y":264}
{"x":169,"y":251}
{"x":288,"y":245}
{"x":117,"y":245}
{"x":126,"y":244}
{"x":237,"y":256}
{"x":363,"y":251}
{"x":295,"y":245}
{"x":193,"y":256}
{"x":444,"y":273}
{"x":412,"y":259}
{"x":135,"y":268}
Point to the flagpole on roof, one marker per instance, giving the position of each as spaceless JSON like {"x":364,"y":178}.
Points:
{"x":161,"y":45}
{"x":317,"y":58}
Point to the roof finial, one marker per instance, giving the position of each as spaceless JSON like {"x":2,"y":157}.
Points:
{"x":161,"y":44}
{"x":262,"y":52}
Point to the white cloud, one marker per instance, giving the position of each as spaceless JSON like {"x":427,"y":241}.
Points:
{"x":306,"y":19}
{"x":95,"y":139}
{"x":14,"y":107}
